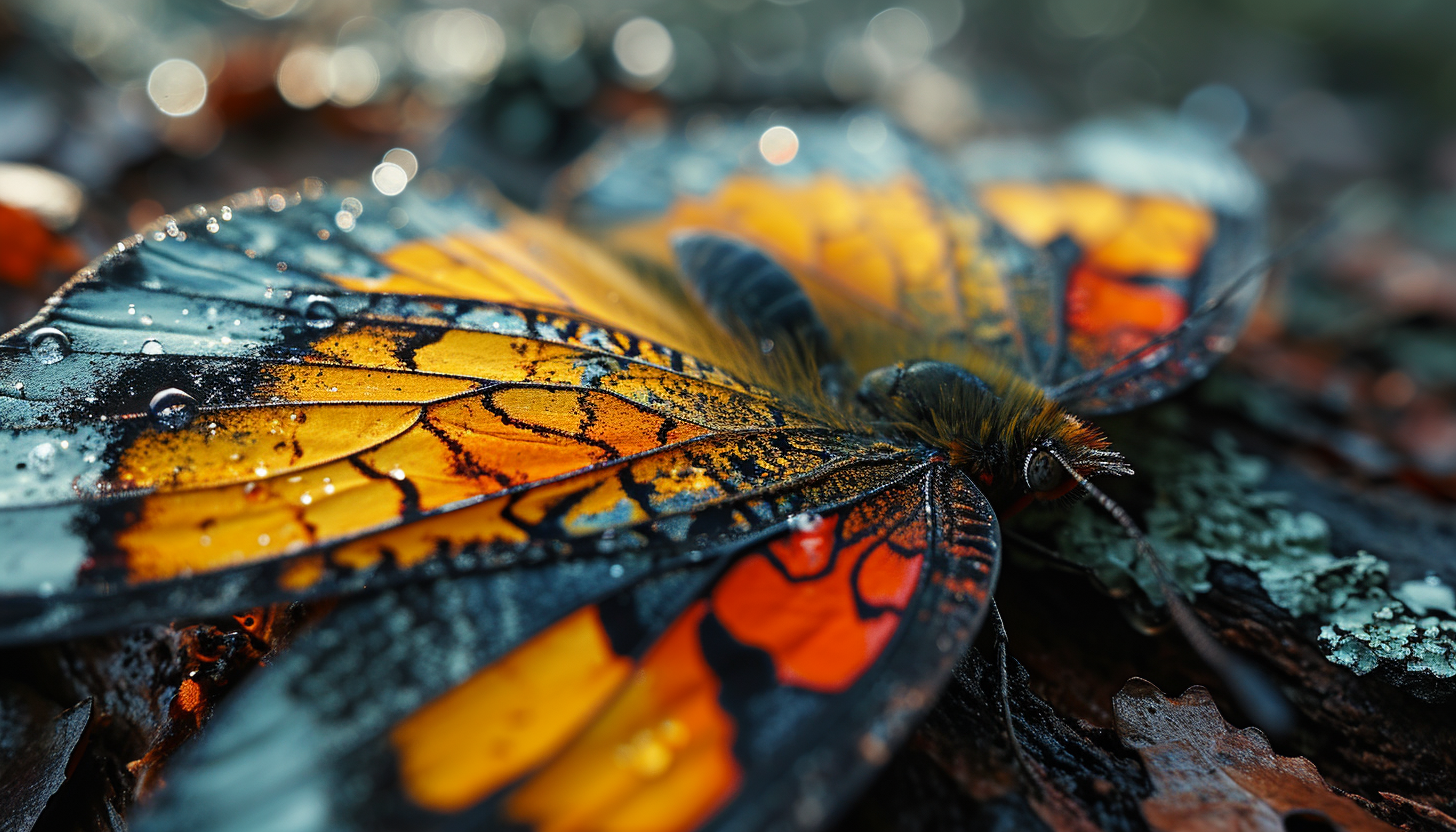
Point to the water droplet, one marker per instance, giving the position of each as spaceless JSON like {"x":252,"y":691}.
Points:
{"x":277,"y":203}
{"x":171,"y":227}
{"x":806,"y":522}
{"x":1156,"y":355}
{"x":1221,"y":344}
{"x":226,"y":212}
{"x":261,"y":471}
{"x":352,"y":205}
{"x":131,"y":309}
{"x":213,"y":225}
{"x":306,"y":498}
{"x":49,"y":345}
{"x":282,"y":266}
{"x":344,"y":220}
{"x":152,"y":346}
{"x":673,"y":733}
{"x":616,"y":570}
{"x":320,"y":312}
{"x":173,"y":408}
{"x":146,"y":320}
{"x":43,"y":459}
{"x":396,"y":473}
{"x":263,"y":539}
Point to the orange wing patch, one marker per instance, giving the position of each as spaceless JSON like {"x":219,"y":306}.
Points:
{"x":1137,"y":253}
{"x":884,"y":254}
{"x":660,"y":758}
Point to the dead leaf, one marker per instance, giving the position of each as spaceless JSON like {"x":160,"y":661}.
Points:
{"x":1207,"y":775}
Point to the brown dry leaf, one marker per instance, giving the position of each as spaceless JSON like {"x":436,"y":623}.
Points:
{"x":1210,"y":777}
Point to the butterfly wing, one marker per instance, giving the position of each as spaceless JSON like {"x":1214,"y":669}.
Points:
{"x":239,"y":406}
{"x":751,"y":692}
{"x":1105,"y":287}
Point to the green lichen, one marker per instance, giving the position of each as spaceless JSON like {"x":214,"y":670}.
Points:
{"x":1211,"y":506}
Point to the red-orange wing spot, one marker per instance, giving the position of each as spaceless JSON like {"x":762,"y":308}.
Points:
{"x":822,"y":603}
{"x":1100,"y":305}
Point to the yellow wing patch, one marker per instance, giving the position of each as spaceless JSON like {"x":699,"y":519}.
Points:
{"x":507,"y":718}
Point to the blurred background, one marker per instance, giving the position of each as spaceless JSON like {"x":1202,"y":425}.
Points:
{"x":113,"y":111}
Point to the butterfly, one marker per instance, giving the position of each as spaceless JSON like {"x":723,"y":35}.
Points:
{"x":679,"y":527}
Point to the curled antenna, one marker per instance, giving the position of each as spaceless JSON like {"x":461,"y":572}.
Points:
{"x":1255,"y":693}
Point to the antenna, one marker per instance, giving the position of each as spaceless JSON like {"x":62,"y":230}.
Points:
{"x":1259,"y":698}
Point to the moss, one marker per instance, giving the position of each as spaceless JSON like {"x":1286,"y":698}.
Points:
{"x":1210,"y":505}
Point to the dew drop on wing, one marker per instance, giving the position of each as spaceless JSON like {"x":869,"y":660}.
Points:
{"x":319,"y":312}
{"x":42,"y":459}
{"x":213,"y":225}
{"x":152,"y":346}
{"x":1156,"y":356}
{"x":173,"y":408}
{"x":49,"y":345}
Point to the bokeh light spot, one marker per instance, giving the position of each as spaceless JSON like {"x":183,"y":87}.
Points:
{"x":899,"y":36}
{"x":460,"y":44}
{"x":643,"y":48}
{"x":556,"y":32}
{"x":866,"y":133}
{"x":405,"y":159}
{"x":353,"y":76}
{"x":177,"y":87}
{"x":779,"y":145}
{"x":389,"y":178}
{"x":303,"y":77}
{"x":1218,"y":110}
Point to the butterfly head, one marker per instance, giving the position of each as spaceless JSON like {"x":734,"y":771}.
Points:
{"x":1020,"y":446}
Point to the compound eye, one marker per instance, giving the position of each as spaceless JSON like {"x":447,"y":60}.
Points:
{"x":1043,"y":472}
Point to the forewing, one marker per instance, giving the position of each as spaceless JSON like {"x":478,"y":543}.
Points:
{"x":756,"y":692}
{"x":240,"y":406}
{"x":1108,"y":287}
